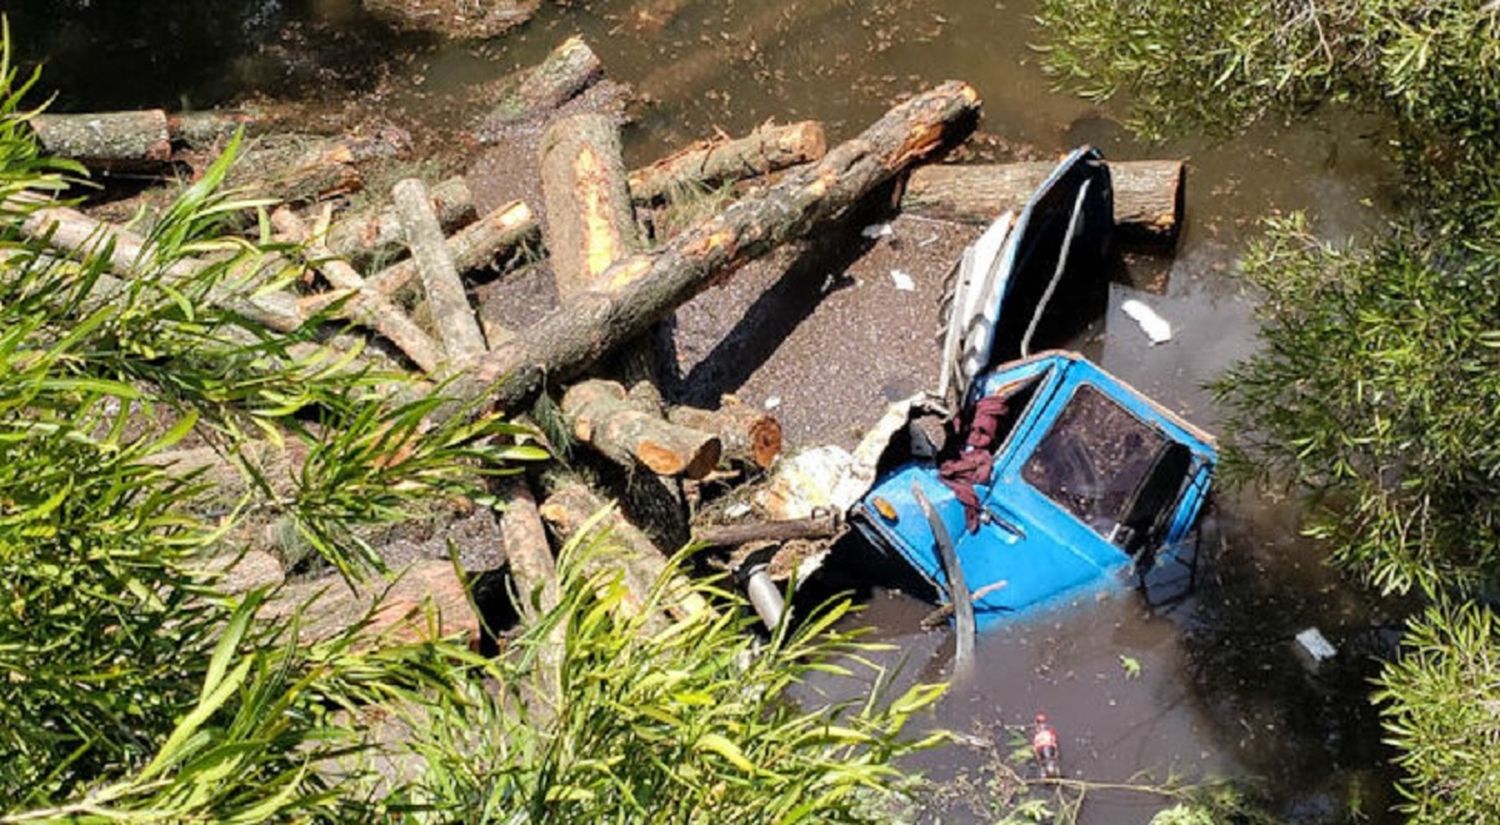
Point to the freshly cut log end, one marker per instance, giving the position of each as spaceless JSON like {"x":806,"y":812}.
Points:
{"x":749,"y":435}
{"x":605,"y":417}
{"x":1148,"y":194}
{"x":707,"y":164}
{"x":107,"y":139}
{"x":570,"y":69}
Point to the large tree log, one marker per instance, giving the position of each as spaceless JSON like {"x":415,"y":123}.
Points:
{"x":711,"y":163}
{"x":604,"y":417}
{"x":641,"y":289}
{"x":570,"y":504}
{"x":567,"y":71}
{"x":452,"y":314}
{"x":749,"y":435}
{"x":107,"y":139}
{"x":425,"y":601}
{"x":374,"y":235}
{"x":590,"y":221}
{"x":1148,"y":194}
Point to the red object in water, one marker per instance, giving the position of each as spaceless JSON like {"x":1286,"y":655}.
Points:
{"x":1044,"y":746}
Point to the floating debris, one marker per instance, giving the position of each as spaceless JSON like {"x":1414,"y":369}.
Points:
{"x":1157,"y":328}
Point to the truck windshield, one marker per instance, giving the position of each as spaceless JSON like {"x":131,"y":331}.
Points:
{"x":1093,"y":459}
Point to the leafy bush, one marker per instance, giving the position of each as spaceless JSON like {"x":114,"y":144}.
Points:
{"x":1441,"y":706}
{"x":1378,"y":390}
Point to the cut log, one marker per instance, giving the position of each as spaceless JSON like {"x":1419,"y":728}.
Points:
{"x":208,"y":130}
{"x":641,"y":289}
{"x":749,"y":435}
{"x":77,"y":234}
{"x":603,"y":416}
{"x":571,"y":68}
{"x":425,"y":601}
{"x":1148,"y":194}
{"x":534,"y":573}
{"x":378,"y":313}
{"x":708,"y":164}
{"x":297,"y":168}
{"x":473,"y":247}
{"x":821,"y":526}
{"x":377,"y":235}
{"x":107,"y":139}
{"x":455,"y":18}
{"x":452,"y":314}
{"x":590,"y":221}
{"x":570,"y":504}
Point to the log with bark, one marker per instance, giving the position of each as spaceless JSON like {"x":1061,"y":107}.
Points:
{"x":455,"y":18}
{"x":1148,"y":194}
{"x":590,"y":221}
{"x":376,"y":234}
{"x":708,"y":164}
{"x":749,"y":435}
{"x":107,"y":140}
{"x":296,"y":168}
{"x":427,"y":600}
{"x":641,"y":289}
{"x":570,"y":69}
{"x":210,"y":129}
{"x":452,"y":315}
{"x":603,"y":416}
{"x":569,"y":506}
{"x":819,"y":526}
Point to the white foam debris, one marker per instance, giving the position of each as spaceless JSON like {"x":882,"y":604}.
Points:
{"x":1157,"y":328}
{"x":877,"y":230}
{"x":773,"y":402}
{"x":1314,"y":648}
{"x":903,"y":281}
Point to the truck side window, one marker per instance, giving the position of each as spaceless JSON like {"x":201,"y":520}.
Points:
{"x":1093,"y":459}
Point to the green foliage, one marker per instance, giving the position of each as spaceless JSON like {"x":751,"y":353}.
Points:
{"x":694,"y":722}
{"x":1378,"y":390}
{"x":1218,"y":65}
{"x":1441,"y":706}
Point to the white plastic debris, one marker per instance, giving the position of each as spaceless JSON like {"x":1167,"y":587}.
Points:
{"x":877,"y":230}
{"x":773,"y":402}
{"x":1156,"y":327}
{"x":737,"y":510}
{"x":903,"y":281}
{"x":1314,"y":649}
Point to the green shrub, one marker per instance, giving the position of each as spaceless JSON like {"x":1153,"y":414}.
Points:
{"x":1440,"y":701}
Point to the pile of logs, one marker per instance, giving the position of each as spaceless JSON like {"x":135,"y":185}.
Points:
{"x":593,"y":354}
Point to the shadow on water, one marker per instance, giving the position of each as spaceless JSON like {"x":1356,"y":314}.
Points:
{"x":1219,"y":691}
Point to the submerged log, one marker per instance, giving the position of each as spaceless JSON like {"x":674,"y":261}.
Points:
{"x":455,"y":18}
{"x":708,"y":164}
{"x":749,"y":435}
{"x":570,"y":504}
{"x":107,"y":139}
{"x":377,"y":235}
{"x":641,"y":289}
{"x":1148,"y":194}
{"x":590,"y":220}
{"x":602,"y":415}
{"x":571,"y":68}
{"x":654,"y":15}
{"x":452,"y":315}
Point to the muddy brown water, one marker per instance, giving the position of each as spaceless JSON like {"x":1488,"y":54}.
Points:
{"x":823,"y":332}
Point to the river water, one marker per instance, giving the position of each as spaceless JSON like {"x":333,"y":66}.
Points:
{"x":1218,"y":692}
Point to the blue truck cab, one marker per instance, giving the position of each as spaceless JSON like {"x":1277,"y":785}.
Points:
{"x":1088,"y":477}
{"x":1056,"y":477}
